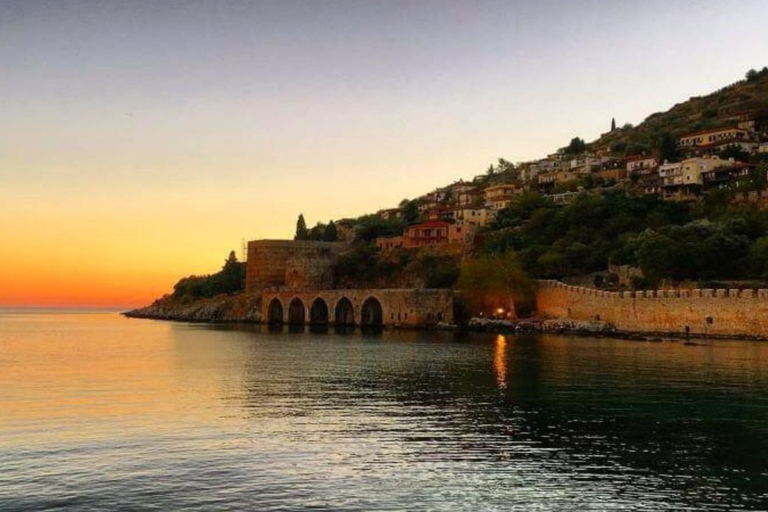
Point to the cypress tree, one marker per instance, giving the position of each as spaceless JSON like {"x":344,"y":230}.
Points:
{"x":302,"y":233}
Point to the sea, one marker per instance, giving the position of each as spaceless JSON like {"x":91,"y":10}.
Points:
{"x":103,"y":413}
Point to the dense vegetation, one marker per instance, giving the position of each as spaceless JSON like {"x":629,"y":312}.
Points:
{"x":363,"y":266}
{"x":711,"y":239}
{"x":320,"y":232}
{"x":230,"y":279}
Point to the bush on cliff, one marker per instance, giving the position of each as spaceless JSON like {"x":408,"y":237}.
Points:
{"x":710,"y":239}
{"x":364,"y":266}
{"x":230,"y":279}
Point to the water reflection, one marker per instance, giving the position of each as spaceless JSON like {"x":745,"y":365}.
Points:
{"x":103,"y":414}
{"x":500,"y":361}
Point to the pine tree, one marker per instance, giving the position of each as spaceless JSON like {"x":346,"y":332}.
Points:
{"x":613,"y":124}
{"x":302,"y":233}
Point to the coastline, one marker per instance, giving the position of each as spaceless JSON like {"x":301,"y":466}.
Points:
{"x":244,"y":309}
{"x":237,"y":308}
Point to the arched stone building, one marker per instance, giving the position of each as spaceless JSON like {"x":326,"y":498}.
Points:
{"x":295,"y":280}
{"x":406,"y":308}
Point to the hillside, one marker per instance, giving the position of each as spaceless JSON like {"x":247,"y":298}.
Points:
{"x":722,"y":108}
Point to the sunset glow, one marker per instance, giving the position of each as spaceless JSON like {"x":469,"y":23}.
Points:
{"x":151,"y":145}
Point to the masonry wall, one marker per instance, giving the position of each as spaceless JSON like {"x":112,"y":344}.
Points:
{"x":308,"y":263}
{"x":718,"y":312}
{"x":400,"y":307}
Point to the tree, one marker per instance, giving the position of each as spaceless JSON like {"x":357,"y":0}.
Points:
{"x":410,"y":210}
{"x":666,"y":147}
{"x":751,"y":75}
{"x":758,"y":177}
{"x":576,"y":146}
{"x":302,"y":233}
{"x":331,"y":233}
{"x":734,"y":151}
{"x":496,"y":281}
{"x":230,"y":279}
{"x":613,"y":124}
{"x":504,"y":166}
{"x":317,"y":232}
{"x":491,"y":171}
{"x":232,"y":275}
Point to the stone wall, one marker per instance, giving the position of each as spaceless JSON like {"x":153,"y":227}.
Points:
{"x":709,"y":312}
{"x":300,"y":263}
{"x":405,"y":308}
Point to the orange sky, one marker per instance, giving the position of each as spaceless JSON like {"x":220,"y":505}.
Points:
{"x":142,"y":142}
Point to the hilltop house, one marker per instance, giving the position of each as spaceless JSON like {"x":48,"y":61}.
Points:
{"x":712,"y":137}
{"x":438,"y":234}
{"x":390,"y":213}
{"x":682,"y":180}
{"x":387,"y":243}
{"x":641,"y":164}
{"x":498,"y":197}
{"x":725,"y":176}
{"x":470,"y":196}
{"x":427,"y":234}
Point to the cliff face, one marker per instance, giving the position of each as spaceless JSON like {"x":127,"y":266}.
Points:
{"x":223,"y":308}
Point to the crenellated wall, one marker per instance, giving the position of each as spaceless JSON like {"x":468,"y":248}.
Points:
{"x":716,"y":312}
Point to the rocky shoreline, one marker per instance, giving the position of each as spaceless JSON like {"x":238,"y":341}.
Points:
{"x":240,"y":308}
{"x":593,"y":329}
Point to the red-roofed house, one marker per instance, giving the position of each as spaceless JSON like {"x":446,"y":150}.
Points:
{"x":427,"y":234}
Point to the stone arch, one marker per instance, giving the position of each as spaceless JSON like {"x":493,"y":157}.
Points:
{"x":296,"y":312}
{"x":344,"y":313}
{"x":318,"y":312}
{"x":372,"y":313}
{"x":275,"y":312}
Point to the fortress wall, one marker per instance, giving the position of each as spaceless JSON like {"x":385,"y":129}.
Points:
{"x":308,"y":261}
{"x":718,"y":312}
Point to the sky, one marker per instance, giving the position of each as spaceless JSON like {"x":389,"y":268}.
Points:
{"x":142,"y":141}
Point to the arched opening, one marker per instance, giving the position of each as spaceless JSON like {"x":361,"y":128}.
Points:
{"x":275,"y":312}
{"x":345,"y":313}
{"x":318,"y":313}
{"x":372,"y":313}
{"x":296,"y":313}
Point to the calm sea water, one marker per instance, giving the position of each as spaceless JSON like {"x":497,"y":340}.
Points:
{"x":98,"y":412}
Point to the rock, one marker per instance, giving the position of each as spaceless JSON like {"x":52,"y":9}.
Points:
{"x":587,"y":326}
{"x":222,"y":308}
{"x":558,"y":324}
{"x":490,"y":324}
{"x":526,"y":326}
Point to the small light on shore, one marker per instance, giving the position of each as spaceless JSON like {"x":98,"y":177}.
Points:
{"x":500,"y":311}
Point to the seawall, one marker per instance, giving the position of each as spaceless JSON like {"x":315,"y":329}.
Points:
{"x":698,"y":312}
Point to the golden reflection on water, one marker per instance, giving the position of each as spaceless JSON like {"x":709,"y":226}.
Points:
{"x":500,"y":361}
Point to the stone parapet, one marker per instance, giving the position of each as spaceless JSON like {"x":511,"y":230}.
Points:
{"x":719,"y":312}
